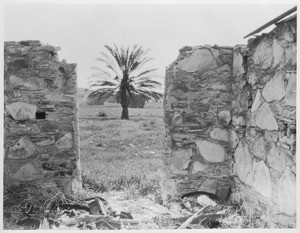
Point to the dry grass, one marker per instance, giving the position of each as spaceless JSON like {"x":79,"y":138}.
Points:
{"x":122,"y":154}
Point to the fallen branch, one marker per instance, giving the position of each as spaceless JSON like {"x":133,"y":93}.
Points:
{"x":189,"y":220}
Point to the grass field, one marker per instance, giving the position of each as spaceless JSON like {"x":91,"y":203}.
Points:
{"x":120,"y":154}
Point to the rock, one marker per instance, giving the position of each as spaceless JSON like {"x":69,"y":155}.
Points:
{"x":28,"y":83}
{"x":264,"y":118}
{"x":224,"y":116}
{"x":290,"y":95}
{"x":252,"y":79}
{"x":259,"y":148}
{"x":224,"y":192}
{"x":180,"y":157}
{"x":198,"y":167}
{"x":290,"y":56}
{"x":274,"y":89}
{"x":257,"y":101}
{"x":46,"y":142}
{"x":262,"y":178}
{"x":186,"y":165}
{"x":263,"y":54}
{"x":168,"y":188}
{"x":276,"y":158}
{"x":200,"y":60}
{"x":204,"y":200}
{"x":210,"y":151}
{"x":177,"y":119}
{"x":278,"y":52}
{"x":47,"y":48}
{"x":23,"y":149}
{"x":28,"y":172}
{"x":233,"y":139}
{"x":65,"y":142}
{"x":239,"y":121}
{"x":21,"y":111}
{"x":243,"y":163}
{"x":97,"y":207}
{"x":209,"y":186}
{"x":219,"y":134}
{"x":238,"y":68}
{"x":287,"y":193}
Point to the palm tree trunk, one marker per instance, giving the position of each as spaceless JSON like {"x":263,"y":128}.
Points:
{"x":125,"y":115}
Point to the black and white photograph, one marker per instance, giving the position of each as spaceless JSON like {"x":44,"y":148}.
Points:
{"x":149,"y":115}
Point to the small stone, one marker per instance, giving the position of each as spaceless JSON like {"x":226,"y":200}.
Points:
{"x":200,"y":60}
{"x":287,"y":193}
{"x":209,"y":186}
{"x":186,"y":165}
{"x":264,"y":118}
{"x":198,"y":167}
{"x":275,"y":88}
{"x":177,"y":119}
{"x":65,"y":142}
{"x":23,"y":149}
{"x":224,"y":192}
{"x":21,"y":111}
{"x":233,"y":139}
{"x":276,"y":158}
{"x":168,"y":188}
{"x":263,"y":54}
{"x":238,"y":121}
{"x":290,"y":96}
{"x":224,"y":116}
{"x":46,"y":142}
{"x":28,"y":172}
{"x":238,"y":68}
{"x":179,"y":158}
{"x":219,"y":134}
{"x":262,"y":179}
{"x":95,"y":207}
{"x":243,"y":163}
{"x":252,"y":79}
{"x":278,"y":52}
{"x":211,"y":151}
{"x":259,"y":148}
{"x":257,"y":101}
{"x":204,"y":200}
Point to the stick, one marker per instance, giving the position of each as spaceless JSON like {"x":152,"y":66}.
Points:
{"x":189,"y":220}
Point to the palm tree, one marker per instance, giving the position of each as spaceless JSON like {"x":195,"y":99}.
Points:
{"x":122,"y":79}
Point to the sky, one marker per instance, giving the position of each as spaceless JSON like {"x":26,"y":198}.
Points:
{"x":82,"y":30}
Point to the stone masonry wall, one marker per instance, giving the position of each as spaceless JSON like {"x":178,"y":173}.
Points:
{"x":230,"y":121}
{"x":40,"y":118}
{"x":265,"y":100}
{"x":199,"y":138}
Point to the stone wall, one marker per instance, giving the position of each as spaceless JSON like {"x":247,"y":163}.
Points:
{"x":230,"y":121}
{"x":199,"y":137}
{"x":265,"y":98}
{"x":40,"y":118}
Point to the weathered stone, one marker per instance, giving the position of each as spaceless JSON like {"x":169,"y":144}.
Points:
{"x":276,"y":158}
{"x":21,"y":111}
{"x":30,"y":83}
{"x":200,"y":61}
{"x":46,"y":142}
{"x":263,"y":54}
{"x":177,"y":118}
{"x":209,"y":186}
{"x":28,"y":172}
{"x":239,"y":120}
{"x":186,"y":165}
{"x":261,"y":178}
{"x":264,"y":118}
{"x":287,"y":193}
{"x":65,"y":142}
{"x":219,"y":134}
{"x":252,"y":79}
{"x":224,"y":116}
{"x":23,"y":149}
{"x":204,"y":200}
{"x":198,"y":167}
{"x":274,"y":89}
{"x":210,"y":151}
{"x":233,"y":139}
{"x":290,"y":56}
{"x":257,"y":101}
{"x":278,"y":52}
{"x":260,"y":148}
{"x":243,"y":163}
{"x":238,"y":68}
{"x":180,"y":157}
{"x":223,"y":192}
{"x":168,"y":188}
{"x":290,"y":96}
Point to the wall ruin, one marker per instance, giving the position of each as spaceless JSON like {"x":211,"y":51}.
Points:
{"x":230,"y":124}
{"x":40,"y":118}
